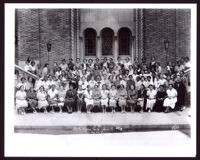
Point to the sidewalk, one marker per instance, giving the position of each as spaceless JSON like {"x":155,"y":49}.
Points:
{"x":64,"y":123}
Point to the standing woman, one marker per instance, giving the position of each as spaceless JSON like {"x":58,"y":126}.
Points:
{"x":21,"y":102}
{"x":122,"y":97}
{"x":42,"y":99}
{"x":113,"y":96}
{"x":132,"y":97}
{"x":45,"y":70}
{"x":151,"y":98}
{"x":104,"y":98}
{"x":171,"y":99}
{"x":32,"y":99}
{"x":32,"y":67}
{"x":70,"y":98}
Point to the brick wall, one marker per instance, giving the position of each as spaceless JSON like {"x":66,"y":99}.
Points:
{"x":166,"y":24}
{"x":28,"y":34}
{"x":38,"y":27}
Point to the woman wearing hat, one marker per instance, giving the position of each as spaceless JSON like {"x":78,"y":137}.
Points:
{"x":21,"y":102}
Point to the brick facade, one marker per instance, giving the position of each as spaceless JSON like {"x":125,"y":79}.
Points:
{"x":172,"y":25}
{"x":36,"y":27}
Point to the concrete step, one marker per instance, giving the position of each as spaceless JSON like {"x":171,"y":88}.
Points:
{"x":82,"y":123}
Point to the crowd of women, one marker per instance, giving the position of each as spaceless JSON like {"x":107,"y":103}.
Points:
{"x":102,"y":85}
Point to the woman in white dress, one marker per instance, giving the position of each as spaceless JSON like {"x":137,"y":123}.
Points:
{"x":113,"y":96}
{"x":21,"y":102}
{"x":42,"y":99}
{"x":104,"y":98}
{"x":171,"y":99}
{"x":53,"y":97}
{"x":88,"y":99}
{"x":122,"y":97}
{"x":151,"y":98}
{"x":61,"y":97}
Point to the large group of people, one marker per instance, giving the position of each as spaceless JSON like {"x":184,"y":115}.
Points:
{"x":102,"y":85}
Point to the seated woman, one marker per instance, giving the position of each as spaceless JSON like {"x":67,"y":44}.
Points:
{"x":104,"y":98}
{"x":132,"y":97}
{"x":21,"y":102}
{"x":53,"y":97}
{"x":61,"y":97}
{"x":96,"y":95}
{"x":151,"y":98}
{"x":80,"y":98}
{"x":122,"y":97}
{"x":88,"y":99}
{"x":171,"y":99}
{"x":113,"y":96}
{"x":70,"y":98}
{"x":141,"y":101}
{"x":32,"y":99}
{"x":42,"y":99}
{"x":160,"y":97}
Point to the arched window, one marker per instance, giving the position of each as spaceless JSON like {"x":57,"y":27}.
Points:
{"x":124,"y":35}
{"x":90,"y":42}
{"x":107,"y":36}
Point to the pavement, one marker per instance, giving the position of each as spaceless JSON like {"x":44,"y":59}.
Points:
{"x":81,"y":123}
{"x":133,"y":144}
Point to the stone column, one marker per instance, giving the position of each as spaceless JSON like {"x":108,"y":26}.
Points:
{"x":132,"y":48}
{"x":116,"y":54}
{"x":99,"y":47}
{"x":136,"y":36}
{"x":72,"y":34}
{"x":81,"y":48}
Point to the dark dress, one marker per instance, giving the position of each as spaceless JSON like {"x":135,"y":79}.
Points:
{"x":181,"y":92}
{"x":143,"y":94}
{"x":129,"y":82}
{"x":70,"y":99}
{"x":159,"y":101}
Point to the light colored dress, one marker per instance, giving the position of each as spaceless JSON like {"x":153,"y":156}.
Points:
{"x":52,"y":96}
{"x":61,"y":97}
{"x":96,"y":95}
{"x":88,"y":98}
{"x":42,"y":99}
{"x":104,"y":97}
{"x":113,"y":97}
{"x":172,"y":98}
{"x":21,"y":99}
{"x":151,"y":100}
{"x":122,"y":97}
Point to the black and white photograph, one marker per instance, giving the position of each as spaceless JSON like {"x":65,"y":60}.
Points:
{"x":100,"y":80}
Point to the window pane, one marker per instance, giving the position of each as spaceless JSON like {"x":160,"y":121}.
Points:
{"x":90,"y":42}
{"x":124,"y":41}
{"x":107,"y":41}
